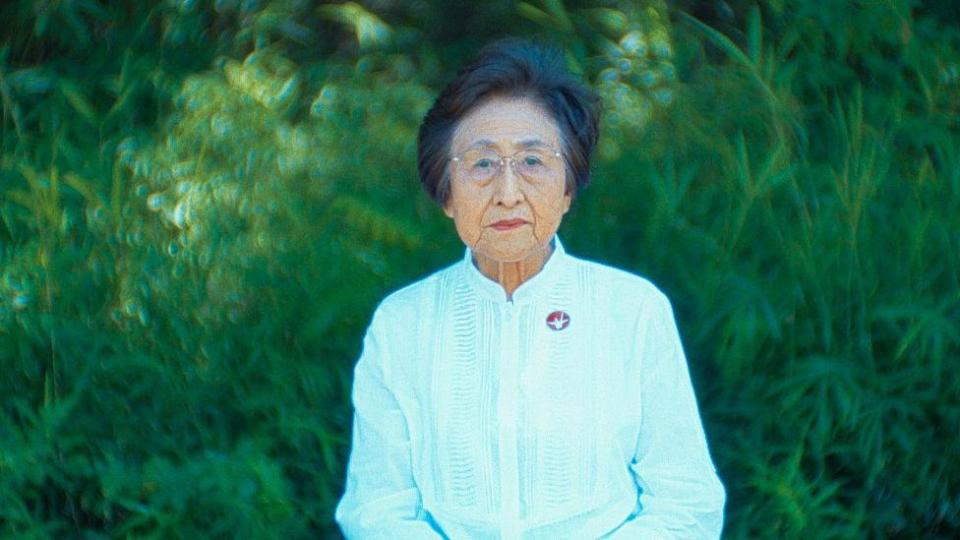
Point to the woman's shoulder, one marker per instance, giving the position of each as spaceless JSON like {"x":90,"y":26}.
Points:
{"x":409,"y":300}
{"x":629,"y":286}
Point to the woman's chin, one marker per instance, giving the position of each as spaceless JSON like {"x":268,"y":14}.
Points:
{"x":508,"y":252}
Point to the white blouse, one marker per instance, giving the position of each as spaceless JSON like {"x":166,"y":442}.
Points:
{"x":565,"y":413}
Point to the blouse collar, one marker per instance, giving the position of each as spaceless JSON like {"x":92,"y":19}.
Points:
{"x":529,"y":289}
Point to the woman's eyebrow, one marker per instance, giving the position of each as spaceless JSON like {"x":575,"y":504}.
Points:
{"x":524,"y":143}
{"x":482,"y":143}
{"x":530,"y":143}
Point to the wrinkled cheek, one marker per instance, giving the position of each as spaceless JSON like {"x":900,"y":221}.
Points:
{"x":549,"y":221}
{"x":469,"y":234}
{"x":545,"y":228}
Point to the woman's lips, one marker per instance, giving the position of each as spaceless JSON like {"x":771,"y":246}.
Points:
{"x":506,"y":225}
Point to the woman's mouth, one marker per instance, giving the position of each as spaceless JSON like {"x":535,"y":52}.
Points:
{"x":508,"y":224}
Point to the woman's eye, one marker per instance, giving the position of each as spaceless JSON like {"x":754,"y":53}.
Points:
{"x":484,"y":163}
{"x":532,"y":161}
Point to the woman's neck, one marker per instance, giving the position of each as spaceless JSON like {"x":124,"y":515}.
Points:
{"x":510,"y":275}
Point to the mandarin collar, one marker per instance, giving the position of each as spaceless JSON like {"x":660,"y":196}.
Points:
{"x":530,"y":289}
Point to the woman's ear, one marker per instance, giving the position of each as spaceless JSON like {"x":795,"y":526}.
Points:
{"x":448,"y":210}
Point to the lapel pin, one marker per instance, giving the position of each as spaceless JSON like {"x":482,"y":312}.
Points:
{"x":558,"y":320}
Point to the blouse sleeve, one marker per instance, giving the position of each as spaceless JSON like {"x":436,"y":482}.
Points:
{"x":680,"y":495}
{"x":381,"y":499}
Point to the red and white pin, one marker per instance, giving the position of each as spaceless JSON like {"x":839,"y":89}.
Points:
{"x":558,"y":320}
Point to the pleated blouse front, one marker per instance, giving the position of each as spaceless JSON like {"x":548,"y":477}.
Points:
{"x":565,"y":412}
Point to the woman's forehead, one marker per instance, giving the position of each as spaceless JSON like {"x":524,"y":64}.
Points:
{"x":523,"y":142}
{"x":513,"y":122}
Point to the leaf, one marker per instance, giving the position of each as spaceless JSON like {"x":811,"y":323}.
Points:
{"x":612,"y":21}
{"x":537,"y":15}
{"x":370,"y":30}
{"x":559,"y":14}
{"x":123,"y":100}
{"x":22,"y":198}
{"x":83,"y":187}
{"x":32,"y":177}
{"x":35,"y":80}
{"x":755,"y":35}
{"x":77,"y":100}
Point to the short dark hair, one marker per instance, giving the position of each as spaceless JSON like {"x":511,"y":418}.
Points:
{"x":511,"y":67}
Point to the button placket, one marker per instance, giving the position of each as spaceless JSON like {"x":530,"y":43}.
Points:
{"x":507,"y":407}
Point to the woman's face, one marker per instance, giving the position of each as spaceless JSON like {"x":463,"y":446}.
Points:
{"x":507,"y":126}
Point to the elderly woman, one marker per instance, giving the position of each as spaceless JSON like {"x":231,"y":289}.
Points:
{"x":523,"y":392}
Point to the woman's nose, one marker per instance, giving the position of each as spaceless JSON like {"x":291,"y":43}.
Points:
{"x":508,"y":191}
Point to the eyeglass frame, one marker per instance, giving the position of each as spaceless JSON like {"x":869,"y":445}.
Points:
{"x":456,"y":158}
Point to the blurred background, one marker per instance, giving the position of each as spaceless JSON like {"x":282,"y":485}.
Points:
{"x":202,"y":202}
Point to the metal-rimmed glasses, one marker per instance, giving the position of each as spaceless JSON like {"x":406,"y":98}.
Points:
{"x":481,"y":165}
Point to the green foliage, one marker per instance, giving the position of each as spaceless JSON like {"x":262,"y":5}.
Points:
{"x":201,"y":203}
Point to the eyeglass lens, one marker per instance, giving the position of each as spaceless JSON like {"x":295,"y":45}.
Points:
{"x":483,"y":164}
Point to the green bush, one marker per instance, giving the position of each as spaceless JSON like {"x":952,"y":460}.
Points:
{"x":201,"y":203}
